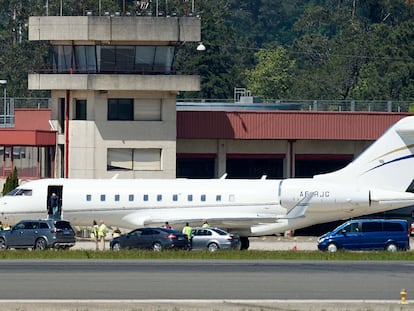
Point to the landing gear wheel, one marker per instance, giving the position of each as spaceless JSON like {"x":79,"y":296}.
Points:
{"x":244,"y":243}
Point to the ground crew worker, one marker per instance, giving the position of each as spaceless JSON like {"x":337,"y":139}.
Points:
{"x":187,"y":231}
{"x":95,"y":229}
{"x":102,"y":233}
{"x":205,"y":224}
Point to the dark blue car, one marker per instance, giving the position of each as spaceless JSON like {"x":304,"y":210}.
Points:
{"x":151,"y":238}
{"x":367,"y":234}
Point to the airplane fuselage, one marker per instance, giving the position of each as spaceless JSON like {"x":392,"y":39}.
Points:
{"x":247,"y":207}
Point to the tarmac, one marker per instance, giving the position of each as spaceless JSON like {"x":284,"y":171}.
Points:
{"x":266,"y":243}
{"x":304,"y":243}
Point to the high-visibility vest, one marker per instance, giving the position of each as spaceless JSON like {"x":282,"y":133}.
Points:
{"x":187,"y":231}
{"x":102,"y":230}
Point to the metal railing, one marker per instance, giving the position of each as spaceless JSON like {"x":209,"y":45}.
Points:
{"x":7,"y":108}
{"x":297,"y":105}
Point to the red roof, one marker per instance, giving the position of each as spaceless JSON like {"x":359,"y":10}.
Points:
{"x":284,"y":125}
{"x":31,"y":128}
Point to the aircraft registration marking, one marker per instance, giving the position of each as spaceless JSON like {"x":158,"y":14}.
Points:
{"x":315,"y":194}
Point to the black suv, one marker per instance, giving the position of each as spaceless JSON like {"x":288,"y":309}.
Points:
{"x":38,"y":234}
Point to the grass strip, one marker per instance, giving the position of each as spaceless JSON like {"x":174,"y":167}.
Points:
{"x":219,"y":255}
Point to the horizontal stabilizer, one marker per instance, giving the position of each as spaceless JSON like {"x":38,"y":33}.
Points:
{"x":386,"y":197}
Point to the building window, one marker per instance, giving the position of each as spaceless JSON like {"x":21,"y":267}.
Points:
{"x":190,"y":197}
{"x":119,"y":159}
{"x":80,"y":109}
{"x":145,"y":197}
{"x":85,"y":59}
{"x":218,"y":198}
{"x":159,"y":197}
{"x":147,"y":109}
{"x":103,"y":197}
{"x":88,"y":197}
{"x":131,"y":197}
{"x":203,"y":198}
{"x":120,"y":109}
{"x":147,"y":159}
{"x":134,"y":159}
{"x":112,"y":59}
{"x":175,"y":197}
{"x":117,"y":197}
{"x":62,"y":58}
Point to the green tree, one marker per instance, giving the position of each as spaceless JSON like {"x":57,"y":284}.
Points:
{"x":12,"y":181}
{"x":215,"y":65}
{"x":270,"y":78}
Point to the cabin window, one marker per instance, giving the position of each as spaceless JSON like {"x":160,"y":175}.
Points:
{"x":175,"y":197}
{"x":203,"y":198}
{"x":88,"y":197}
{"x":116,"y":197}
{"x":103,"y":197}
{"x":131,"y":197}
{"x":145,"y":197}
{"x":218,"y":198}
{"x":190,"y":197}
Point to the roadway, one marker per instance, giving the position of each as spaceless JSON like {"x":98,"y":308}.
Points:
{"x":182,"y":284}
{"x":206,"y":285}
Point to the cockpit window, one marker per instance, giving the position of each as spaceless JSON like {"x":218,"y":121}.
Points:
{"x":19,"y":191}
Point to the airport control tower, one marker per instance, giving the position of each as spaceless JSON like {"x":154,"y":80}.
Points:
{"x":113,"y":88}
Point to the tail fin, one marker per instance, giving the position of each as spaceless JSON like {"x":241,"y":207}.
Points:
{"x":387,"y":164}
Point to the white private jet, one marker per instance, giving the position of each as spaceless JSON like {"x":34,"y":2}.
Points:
{"x":380,"y":179}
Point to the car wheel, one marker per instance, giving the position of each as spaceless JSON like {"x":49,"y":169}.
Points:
{"x":2,"y":244}
{"x":212,"y":247}
{"x":332,"y":248}
{"x":391,"y":247}
{"x":40,"y":244}
{"x":116,"y":246}
{"x":157,"y":247}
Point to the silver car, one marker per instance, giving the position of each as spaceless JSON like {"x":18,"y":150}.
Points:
{"x":213,"y":239}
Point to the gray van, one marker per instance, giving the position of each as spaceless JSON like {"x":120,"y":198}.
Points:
{"x":367,"y":234}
